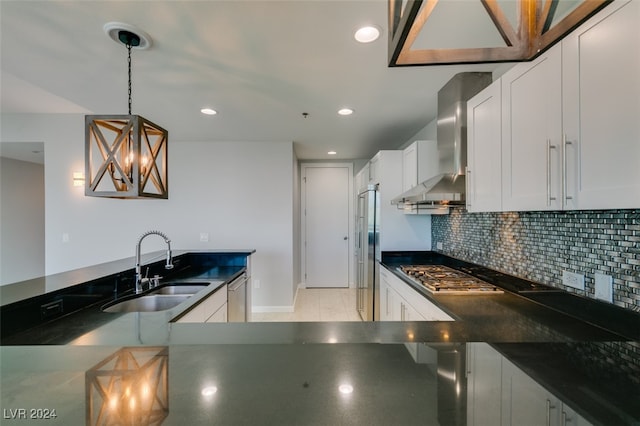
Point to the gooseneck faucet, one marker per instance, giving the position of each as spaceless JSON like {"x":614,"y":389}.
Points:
{"x":168,"y":265}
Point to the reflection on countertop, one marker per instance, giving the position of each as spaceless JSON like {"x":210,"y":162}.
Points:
{"x":306,"y":384}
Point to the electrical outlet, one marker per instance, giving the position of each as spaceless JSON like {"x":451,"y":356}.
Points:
{"x":65,"y":237}
{"x":439,"y":245}
{"x":572,"y":279}
{"x":603,"y":287}
{"x":256,"y":283}
{"x":204,"y":237}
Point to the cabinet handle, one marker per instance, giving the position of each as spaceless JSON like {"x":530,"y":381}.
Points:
{"x":565,"y":420}
{"x":470,"y":191}
{"x":549,"y":408}
{"x":565,"y":189}
{"x":549,"y":148}
{"x":387,"y":301}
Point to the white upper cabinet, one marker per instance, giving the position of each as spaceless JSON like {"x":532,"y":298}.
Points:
{"x":571,"y":120}
{"x":362,"y":179}
{"x":484,"y":145}
{"x":601,"y":109}
{"x":419,"y":163}
{"x":532,"y":134}
{"x":374,"y":169}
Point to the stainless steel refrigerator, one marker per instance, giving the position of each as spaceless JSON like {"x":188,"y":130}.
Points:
{"x":368,"y":253}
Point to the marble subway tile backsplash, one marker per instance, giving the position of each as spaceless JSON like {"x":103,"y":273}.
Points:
{"x":540,"y":245}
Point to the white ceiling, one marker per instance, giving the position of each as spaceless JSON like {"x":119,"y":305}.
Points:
{"x":260,"y":64}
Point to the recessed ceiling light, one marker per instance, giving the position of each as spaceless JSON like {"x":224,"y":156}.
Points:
{"x":345,"y":111}
{"x":208,"y":111}
{"x":332,"y":152}
{"x":367,"y":34}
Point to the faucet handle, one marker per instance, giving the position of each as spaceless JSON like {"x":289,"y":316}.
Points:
{"x":155,"y":281}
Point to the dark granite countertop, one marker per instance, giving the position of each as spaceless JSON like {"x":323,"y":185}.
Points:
{"x":514,"y":304}
{"x":292,"y":370}
{"x":80,"y":302}
{"x":22,"y":290}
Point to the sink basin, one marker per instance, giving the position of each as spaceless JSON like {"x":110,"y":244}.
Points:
{"x":182,"y":288}
{"x":148,"y":303}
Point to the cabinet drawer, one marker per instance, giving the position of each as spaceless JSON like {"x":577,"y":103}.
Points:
{"x":207,"y":307}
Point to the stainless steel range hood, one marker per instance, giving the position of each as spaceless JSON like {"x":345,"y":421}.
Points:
{"x":448,"y":187}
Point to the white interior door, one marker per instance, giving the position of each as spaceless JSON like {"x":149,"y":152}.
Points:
{"x":326,"y":225}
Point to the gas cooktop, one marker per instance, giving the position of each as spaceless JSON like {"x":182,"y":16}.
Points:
{"x":441,"y":279}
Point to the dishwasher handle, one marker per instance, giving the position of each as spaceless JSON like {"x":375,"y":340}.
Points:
{"x":237,"y":283}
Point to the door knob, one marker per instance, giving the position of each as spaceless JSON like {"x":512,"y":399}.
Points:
{"x":345,"y":238}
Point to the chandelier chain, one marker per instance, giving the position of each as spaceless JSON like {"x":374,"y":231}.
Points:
{"x":129,"y":67}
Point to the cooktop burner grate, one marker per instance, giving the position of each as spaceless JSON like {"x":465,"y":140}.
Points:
{"x":441,"y":279}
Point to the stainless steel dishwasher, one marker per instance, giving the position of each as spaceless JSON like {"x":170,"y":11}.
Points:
{"x":237,"y":299}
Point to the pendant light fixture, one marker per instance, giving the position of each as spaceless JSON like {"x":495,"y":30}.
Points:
{"x":125,"y":155}
{"x":524,"y":29}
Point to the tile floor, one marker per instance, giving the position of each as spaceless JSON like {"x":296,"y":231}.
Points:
{"x":317,"y":304}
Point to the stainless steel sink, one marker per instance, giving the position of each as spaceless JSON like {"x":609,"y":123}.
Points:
{"x":181,"y":288}
{"x":148,"y":303}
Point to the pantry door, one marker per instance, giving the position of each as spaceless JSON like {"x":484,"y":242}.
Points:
{"x":326,"y":240}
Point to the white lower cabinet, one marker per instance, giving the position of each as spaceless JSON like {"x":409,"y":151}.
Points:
{"x":212,"y":309}
{"x":387,"y":301}
{"x":484,"y":385}
{"x":499,"y":393}
{"x":399,"y":302}
{"x":568,"y":417}
{"x":525,"y":401}
{"x":220,"y":315}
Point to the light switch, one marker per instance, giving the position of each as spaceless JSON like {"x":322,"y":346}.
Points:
{"x":604,"y":287}
{"x":204,"y":237}
{"x":65,"y":237}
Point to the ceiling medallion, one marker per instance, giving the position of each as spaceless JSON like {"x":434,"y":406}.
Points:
{"x":125,"y":155}
{"x":536,"y":26}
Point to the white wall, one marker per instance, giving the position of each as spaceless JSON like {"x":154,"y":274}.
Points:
{"x":21,"y":220}
{"x":427,"y":133}
{"x":240,"y":193}
{"x":297,"y":227}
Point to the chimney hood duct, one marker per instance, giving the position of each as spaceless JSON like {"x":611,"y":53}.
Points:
{"x":448,"y":187}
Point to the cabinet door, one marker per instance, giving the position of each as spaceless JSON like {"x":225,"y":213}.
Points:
{"x":374,"y":165}
{"x":570,"y":418}
{"x":601,"y":85}
{"x":358,"y":182}
{"x":525,"y":402}
{"x":419,"y":163}
{"x":220,"y":315}
{"x":532,"y":134}
{"x":386,"y":314}
{"x":484,"y":385}
{"x":410,"y":167}
{"x":409,"y":313}
{"x":484,"y":150}
{"x":207,"y":307}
